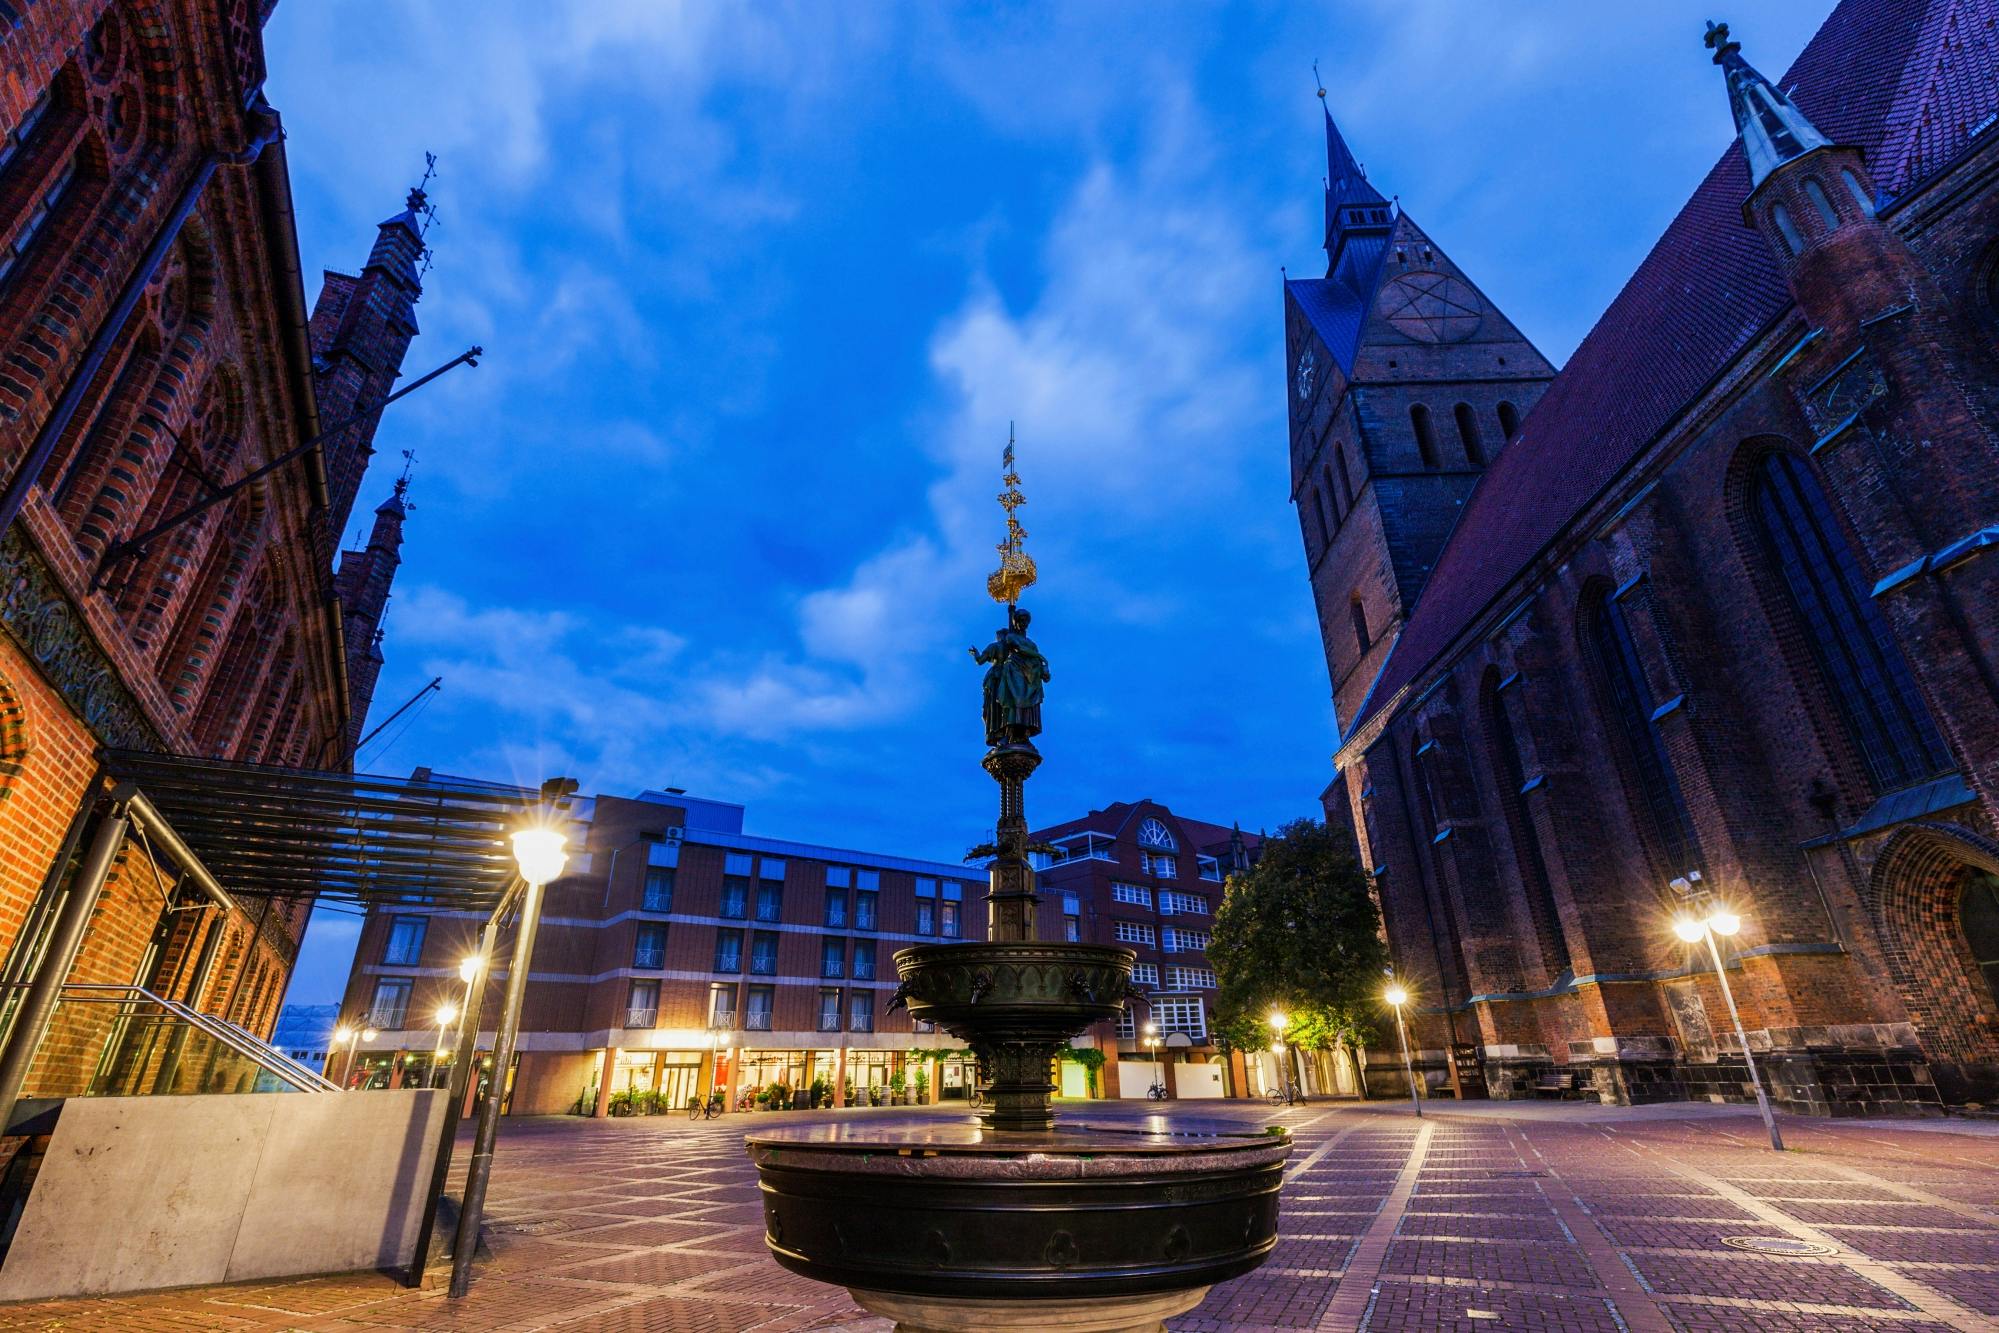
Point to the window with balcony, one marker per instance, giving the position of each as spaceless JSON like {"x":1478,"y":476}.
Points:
{"x":1072,"y":929}
{"x":861,"y":1011}
{"x":867,"y":908}
{"x":926,"y":916}
{"x":736,"y":867}
{"x":1131,"y":932}
{"x":757,"y":1014}
{"x":763,"y":953}
{"x":836,"y":909}
{"x":833,"y":958}
{"x":721,"y":1005}
{"x":728,"y":951}
{"x":391,"y":1003}
{"x":649,"y":946}
{"x":405,"y":944}
{"x":864,"y":960}
{"x":770,"y":901}
{"x":658,"y":893}
{"x":829,"y":1011}
{"x":947,"y":921}
{"x":642,"y":1005}
{"x":1136,"y":894}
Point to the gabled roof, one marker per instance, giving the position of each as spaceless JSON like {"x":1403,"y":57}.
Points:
{"x":1906,"y":81}
{"x":1111,"y":820}
{"x":1337,"y":307}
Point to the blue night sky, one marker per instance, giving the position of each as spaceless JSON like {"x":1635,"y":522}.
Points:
{"x":761,"y":288}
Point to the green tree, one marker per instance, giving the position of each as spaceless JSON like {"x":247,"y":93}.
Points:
{"x":1300,"y":933}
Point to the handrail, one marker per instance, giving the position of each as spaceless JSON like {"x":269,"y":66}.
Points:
{"x":243,"y":1043}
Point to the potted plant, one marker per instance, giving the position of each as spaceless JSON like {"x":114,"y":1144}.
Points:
{"x":821,"y":1094}
{"x":896,"y":1083}
{"x":847,"y":1093}
{"x":620,"y":1103}
{"x":922,"y":1086}
{"x":778,"y":1095}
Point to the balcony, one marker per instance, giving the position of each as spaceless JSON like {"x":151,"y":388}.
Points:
{"x":757,"y":1020}
{"x":386,"y":1019}
{"x":642,"y":1018}
{"x":724,"y":1019}
{"x":864,"y":971}
{"x":829,"y":1022}
{"x":861,"y":1023}
{"x":832,"y":968}
{"x":649,"y":960}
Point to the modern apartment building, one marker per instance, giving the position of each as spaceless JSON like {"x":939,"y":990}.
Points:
{"x":678,"y":953}
{"x":1136,"y":874}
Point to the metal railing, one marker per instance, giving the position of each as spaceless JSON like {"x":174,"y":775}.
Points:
{"x":862,"y":1023}
{"x":115,"y":1040}
{"x":388,"y":1020}
{"x":829,"y":1022}
{"x":756,"y":1021}
{"x":829,"y":968}
{"x":722,"y":1018}
{"x":642,"y":1018}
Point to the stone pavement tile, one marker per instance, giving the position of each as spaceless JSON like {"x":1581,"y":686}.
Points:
{"x":1321,"y":1253}
{"x":495,"y":1302}
{"x":1668,"y":1205}
{"x":1815,"y":1189}
{"x":648,"y":1233}
{"x":1690,"y":1318}
{"x":1545,"y":1228}
{"x":674,"y":1314}
{"x":1651,"y":1233}
{"x":1877,"y":1214}
{"x":545,"y":1256}
{"x":305,"y":1296}
{"x":1490,"y":1261}
{"x":1257,"y":1302}
{"x":729,"y":1240}
{"x":763,"y":1281}
{"x":1465,"y":1308}
{"x":1511,"y":1204}
{"x":1919,"y":1246}
{"x":651,"y":1267}
{"x":1804,"y":1281}
{"x":1969,"y":1286}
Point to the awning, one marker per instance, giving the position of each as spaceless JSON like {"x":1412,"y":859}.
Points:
{"x":264,"y":831}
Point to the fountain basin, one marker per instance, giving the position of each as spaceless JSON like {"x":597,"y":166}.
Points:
{"x":956,"y":1226}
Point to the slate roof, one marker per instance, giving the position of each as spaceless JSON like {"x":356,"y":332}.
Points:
{"x":1337,"y":306}
{"x":1109,"y":820}
{"x":1907,"y":81}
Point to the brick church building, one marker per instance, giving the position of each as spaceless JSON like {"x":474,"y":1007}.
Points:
{"x":156,"y":347}
{"x":1708,"y":618}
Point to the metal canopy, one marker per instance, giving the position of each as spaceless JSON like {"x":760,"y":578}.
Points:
{"x":266,"y":831}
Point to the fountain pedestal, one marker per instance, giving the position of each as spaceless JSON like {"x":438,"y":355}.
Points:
{"x":959,"y":1227}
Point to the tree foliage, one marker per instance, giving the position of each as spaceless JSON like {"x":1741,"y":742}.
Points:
{"x":1299,"y":932}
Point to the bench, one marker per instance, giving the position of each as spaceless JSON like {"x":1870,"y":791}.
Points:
{"x":1554,"y":1083}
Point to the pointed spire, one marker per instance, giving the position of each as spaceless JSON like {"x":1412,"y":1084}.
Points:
{"x":1351,"y":202}
{"x":1773,"y":130}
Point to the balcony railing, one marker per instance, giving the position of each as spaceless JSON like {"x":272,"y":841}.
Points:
{"x":757,"y":1021}
{"x":861,"y":1023}
{"x":831,"y":968}
{"x":829,"y":1022}
{"x":864,"y":971}
{"x":642,"y":1018}
{"x":722,"y":1018}
{"x":651,"y":960}
{"x":386,"y":1019}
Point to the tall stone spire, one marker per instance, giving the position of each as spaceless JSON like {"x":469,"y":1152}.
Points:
{"x":361,"y":327}
{"x":1352,"y":204}
{"x":362,"y":584}
{"x":1773,"y":130}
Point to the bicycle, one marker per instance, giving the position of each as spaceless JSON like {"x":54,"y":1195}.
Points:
{"x":1288,"y":1095}
{"x":1157,"y":1092}
{"x":977,"y":1099}
{"x":698,"y":1109}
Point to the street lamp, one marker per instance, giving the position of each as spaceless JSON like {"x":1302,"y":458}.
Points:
{"x":447,"y":1013}
{"x":345,"y":1036}
{"x":1279,"y":1021}
{"x":1397,"y":997}
{"x":1723,"y":922}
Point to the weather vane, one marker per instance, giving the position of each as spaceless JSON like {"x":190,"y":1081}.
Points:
{"x":1318,"y":80}
{"x":1016,"y":570}
{"x":403,"y":482}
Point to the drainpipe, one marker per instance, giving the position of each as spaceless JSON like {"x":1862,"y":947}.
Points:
{"x":58,"y":421}
{"x":38,"y":1006}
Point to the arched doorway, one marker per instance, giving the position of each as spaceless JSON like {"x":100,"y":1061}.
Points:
{"x":1937,"y":890}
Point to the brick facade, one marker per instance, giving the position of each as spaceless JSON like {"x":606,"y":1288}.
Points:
{"x":154,"y":344}
{"x":1613,"y":678}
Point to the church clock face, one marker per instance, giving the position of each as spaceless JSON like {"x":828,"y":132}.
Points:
{"x":1308,"y":368}
{"x":1431,"y":308}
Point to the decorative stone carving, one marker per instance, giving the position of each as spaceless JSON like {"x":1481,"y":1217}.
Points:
{"x":36,"y":616}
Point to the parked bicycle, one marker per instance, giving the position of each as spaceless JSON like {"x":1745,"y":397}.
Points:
{"x":978,"y":1098}
{"x":697,"y":1109}
{"x":1288,"y":1095}
{"x":1157,"y":1092}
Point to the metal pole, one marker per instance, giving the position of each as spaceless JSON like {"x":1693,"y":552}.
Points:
{"x":1402,"y":1036}
{"x":462,"y":1073}
{"x":32,"y":1022}
{"x":1755,"y":1081}
{"x":481,"y":1168}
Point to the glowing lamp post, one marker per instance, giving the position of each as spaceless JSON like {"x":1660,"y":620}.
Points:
{"x":1397,"y":997}
{"x":447,"y":1014}
{"x":539,"y":855}
{"x":1279,"y":1021}
{"x":1695,"y":930}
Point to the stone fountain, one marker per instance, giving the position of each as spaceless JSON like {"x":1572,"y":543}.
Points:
{"x":1010,"y":1220}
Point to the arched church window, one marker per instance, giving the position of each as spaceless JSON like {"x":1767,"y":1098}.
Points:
{"x":1628,"y":702}
{"x":1816,"y":193}
{"x":1333,"y":496}
{"x":1858,"y":191}
{"x":1780,"y":218}
{"x":1872,"y":688}
{"x":1978,"y":917}
{"x":1526,"y":842}
{"x":1468,"y":434}
{"x":1426,"y":434}
{"x":1346,"y":474}
{"x":1358,"y":614}
{"x":1323,"y":508}
{"x":1509,"y":420}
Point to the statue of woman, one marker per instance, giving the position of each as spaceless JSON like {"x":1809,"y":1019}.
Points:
{"x":1014,"y":677}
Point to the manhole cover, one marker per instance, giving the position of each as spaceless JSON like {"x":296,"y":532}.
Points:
{"x":1521,"y":1175}
{"x":1777,"y":1245}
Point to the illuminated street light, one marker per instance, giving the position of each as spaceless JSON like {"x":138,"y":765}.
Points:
{"x":1721,"y":922}
{"x":446,"y":1013}
{"x":468,"y":968}
{"x":538,"y":852}
{"x":1397,"y":997}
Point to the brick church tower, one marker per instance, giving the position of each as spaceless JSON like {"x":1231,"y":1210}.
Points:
{"x":1405,"y":383}
{"x":362,"y":584}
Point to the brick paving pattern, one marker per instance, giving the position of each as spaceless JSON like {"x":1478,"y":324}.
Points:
{"x":1466,"y":1222}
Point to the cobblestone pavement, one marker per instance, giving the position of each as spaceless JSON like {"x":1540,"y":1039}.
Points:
{"x":1554,"y":1219}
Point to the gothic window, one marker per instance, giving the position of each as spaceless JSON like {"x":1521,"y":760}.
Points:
{"x":1628,"y":701}
{"x":1978,"y":916}
{"x":1468,"y":434}
{"x":1509,"y":421}
{"x":1870,"y":682}
{"x":1780,"y":218}
{"x":1426,"y":434}
{"x":1359,"y":615}
{"x":1526,"y":842}
{"x":1816,"y":194}
{"x":1332,"y":496}
{"x":1346,"y":475}
{"x":1314,"y":503}
{"x":1858,"y":191}
{"x":1426,"y":801}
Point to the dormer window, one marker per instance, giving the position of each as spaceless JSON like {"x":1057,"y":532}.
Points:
{"x":1152,"y":833}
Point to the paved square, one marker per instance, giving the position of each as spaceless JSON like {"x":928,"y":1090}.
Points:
{"x":1551,"y":1217}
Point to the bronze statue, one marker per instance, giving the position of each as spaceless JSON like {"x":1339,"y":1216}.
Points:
{"x":1014,"y":678}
